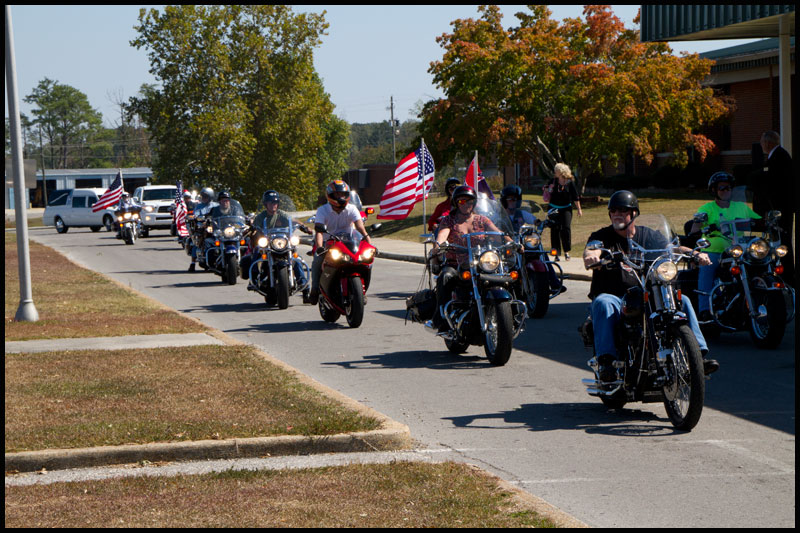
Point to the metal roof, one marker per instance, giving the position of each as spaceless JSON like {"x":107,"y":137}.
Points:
{"x":701,"y":22}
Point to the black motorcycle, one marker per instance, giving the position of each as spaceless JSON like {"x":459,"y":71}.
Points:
{"x":660,"y":358}
{"x":271,"y":273}
{"x":129,"y":222}
{"x":541,"y":279}
{"x":222,"y":246}
{"x":748,"y":292}
{"x":483,"y":310}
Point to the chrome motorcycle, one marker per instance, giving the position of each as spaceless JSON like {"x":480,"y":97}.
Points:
{"x":659,"y":356}
{"x":224,"y":238}
{"x":542,"y":279}
{"x":129,"y":222}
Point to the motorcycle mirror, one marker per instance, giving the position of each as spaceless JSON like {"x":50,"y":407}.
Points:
{"x":320,"y":228}
{"x":428,"y":238}
{"x":703,"y":243}
{"x":700,"y":217}
{"x":375,"y":227}
{"x":312,"y":218}
{"x":594,"y":245}
{"x":774,"y":214}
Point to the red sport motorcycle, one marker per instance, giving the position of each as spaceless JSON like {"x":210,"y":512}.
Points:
{"x":345,"y":277}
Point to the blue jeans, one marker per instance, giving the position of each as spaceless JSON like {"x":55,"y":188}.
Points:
{"x":705,"y":281}
{"x":606,"y":311}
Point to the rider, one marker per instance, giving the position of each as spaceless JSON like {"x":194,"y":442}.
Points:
{"x":226,"y":207}
{"x":445,"y":206}
{"x":720,"y":186}
{"x":273,"y":217}
{"x":452,"y":229}
{"x":511,"y":199}
{"x":337,"y":215}
{"x":610,"y":284}
{"x":201,"y":209}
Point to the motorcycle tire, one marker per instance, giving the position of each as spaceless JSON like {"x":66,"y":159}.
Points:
{"x":499,"y":333}
{"x":767,"y":331}
{"x":231,"y":272}
{"x":684,"y":397}
{"x":129,"y":237}
{"x":355,"y":305}
{"x":282,"y":287}
{"x":538,"y":294}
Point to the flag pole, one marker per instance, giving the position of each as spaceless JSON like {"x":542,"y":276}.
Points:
{"x":422,"y":153}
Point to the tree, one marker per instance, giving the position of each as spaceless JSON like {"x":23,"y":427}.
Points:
{"x":68,"y":121}
{"x":576,"y":92}
{"x":239,"y":104}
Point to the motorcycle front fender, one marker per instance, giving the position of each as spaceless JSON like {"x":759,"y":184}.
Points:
{"x":497,"y":294}
{"x":537,"y":265}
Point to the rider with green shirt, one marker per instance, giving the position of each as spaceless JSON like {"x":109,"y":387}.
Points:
{"x":720,"y":185}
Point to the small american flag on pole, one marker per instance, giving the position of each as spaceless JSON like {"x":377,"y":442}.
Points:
{"x":111,"y":196}
{"x":180,"y":211}
{"x":409,"y":185}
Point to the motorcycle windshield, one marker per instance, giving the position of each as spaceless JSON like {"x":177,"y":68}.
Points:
{"x":230,"y":226}
{"x":735,"y":228}
{"x":494,"y":211}
{"x":283,"y":223}
{"x":657,"y":240}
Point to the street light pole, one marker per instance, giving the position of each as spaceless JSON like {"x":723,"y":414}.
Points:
{"x":26,"y":311}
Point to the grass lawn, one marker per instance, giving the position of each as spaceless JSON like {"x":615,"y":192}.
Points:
{"x":364,"y":496}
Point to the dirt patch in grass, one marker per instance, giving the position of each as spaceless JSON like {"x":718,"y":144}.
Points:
{"x":95,"y":398}
{"x":370,"y":496}
{"x":75,"y":302}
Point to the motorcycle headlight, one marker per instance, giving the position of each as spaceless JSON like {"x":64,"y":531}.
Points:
{"x":367,"y":255}
{"x":758,"y":249}
{"x":532,"y":241}
{"x":489,"y":261}
{"x":666,"y":271}
{"x":127,"y":216}
{"x":781,"y":250}
{"x":336,"y":255}
{"x":280,"y":243}
{"x":295,"y":240}
{"x":135,"y":216}
{"x":209,"y":229}
{"x":262,"y":242}
{"x":735,"y":251}
{"x":119,"y":218}
{"x":229,"y":231}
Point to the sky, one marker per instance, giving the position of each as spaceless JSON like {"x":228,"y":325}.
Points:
{"x":371,"y":53}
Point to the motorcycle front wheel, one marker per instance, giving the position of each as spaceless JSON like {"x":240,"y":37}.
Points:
{"x":685,"y":393}
{"x":499,"y":323}
{"x":231,"y":271}
{"x":769,"y":324}
{"x":355,"y":305}
{"x":282,"y":287}
{"x":538,"y":294}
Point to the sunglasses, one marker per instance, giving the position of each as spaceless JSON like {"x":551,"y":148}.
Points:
{"x":623,"y":210}
{"x":462,"y":201}
{"x":725,"y":188}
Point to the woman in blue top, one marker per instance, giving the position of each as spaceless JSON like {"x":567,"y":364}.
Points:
{"x":721,"y":186}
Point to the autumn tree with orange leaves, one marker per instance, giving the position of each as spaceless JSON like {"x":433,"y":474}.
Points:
{"x":577,"y":91}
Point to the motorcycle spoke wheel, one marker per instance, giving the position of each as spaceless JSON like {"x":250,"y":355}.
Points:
{"x":499,"y":325}
{"x":685,"y":393}
{"x":767,"y":330}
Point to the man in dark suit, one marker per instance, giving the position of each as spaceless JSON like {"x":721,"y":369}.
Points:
{"x":776,"y":190}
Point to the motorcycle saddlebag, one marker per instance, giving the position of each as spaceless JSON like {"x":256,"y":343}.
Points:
{"x":421,"y":305}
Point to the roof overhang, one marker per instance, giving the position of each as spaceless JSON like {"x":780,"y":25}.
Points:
{"x":707,"y":22}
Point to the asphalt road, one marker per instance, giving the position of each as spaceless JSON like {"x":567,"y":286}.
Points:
{"x":530,"y":421}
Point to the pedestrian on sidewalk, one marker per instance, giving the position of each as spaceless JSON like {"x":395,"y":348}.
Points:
{"x":562,"y":196}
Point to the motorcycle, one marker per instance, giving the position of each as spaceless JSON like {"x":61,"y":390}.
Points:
{"x":541,"y":278}
{"x":483,"y":310}
{"x":748,"y":292}
{"x":130,"y":222}
{"x":660,"y":358}
{"x":224,"y":238}
{"x":345,"y":277}
{"x":271,"y":273}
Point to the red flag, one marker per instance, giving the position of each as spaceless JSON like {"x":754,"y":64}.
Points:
{"x":475,"y":179}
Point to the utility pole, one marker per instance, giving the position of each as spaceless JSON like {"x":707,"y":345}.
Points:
{"x":391,"y":108}
{"x":26,"y":310}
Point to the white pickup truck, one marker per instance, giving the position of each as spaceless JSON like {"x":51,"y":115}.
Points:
{"x":69,"y":208}
{"x":156,"y":202}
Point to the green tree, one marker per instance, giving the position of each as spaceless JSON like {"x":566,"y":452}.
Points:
{"x":239,"y":104}
{"x":575,"y":91}
{"x":67,"y":120}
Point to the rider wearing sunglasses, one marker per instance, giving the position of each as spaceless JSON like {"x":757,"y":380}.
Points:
{"x":720,"y":186}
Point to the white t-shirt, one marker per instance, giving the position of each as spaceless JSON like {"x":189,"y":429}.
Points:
{"x":338,"y":222}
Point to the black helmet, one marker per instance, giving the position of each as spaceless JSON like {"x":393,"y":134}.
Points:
{"x":624,"y":199}
{"x":716,"y":178}
{"x":461,"y":191}
{"x":223,"y":194}
{"x":335,"y":187}
{"x":270,"y":196}
{"x":451,"y":182}
{"x":508,"y":191}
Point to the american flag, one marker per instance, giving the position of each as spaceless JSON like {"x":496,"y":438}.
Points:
{"x":180,"y":211}
{"x":474,"y":173}
{"x":111,"y":196}
{"x":408,"y":185}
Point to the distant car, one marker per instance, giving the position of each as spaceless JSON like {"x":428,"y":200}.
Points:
{"x":69,"y":208}
{"x":156,"y":201}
